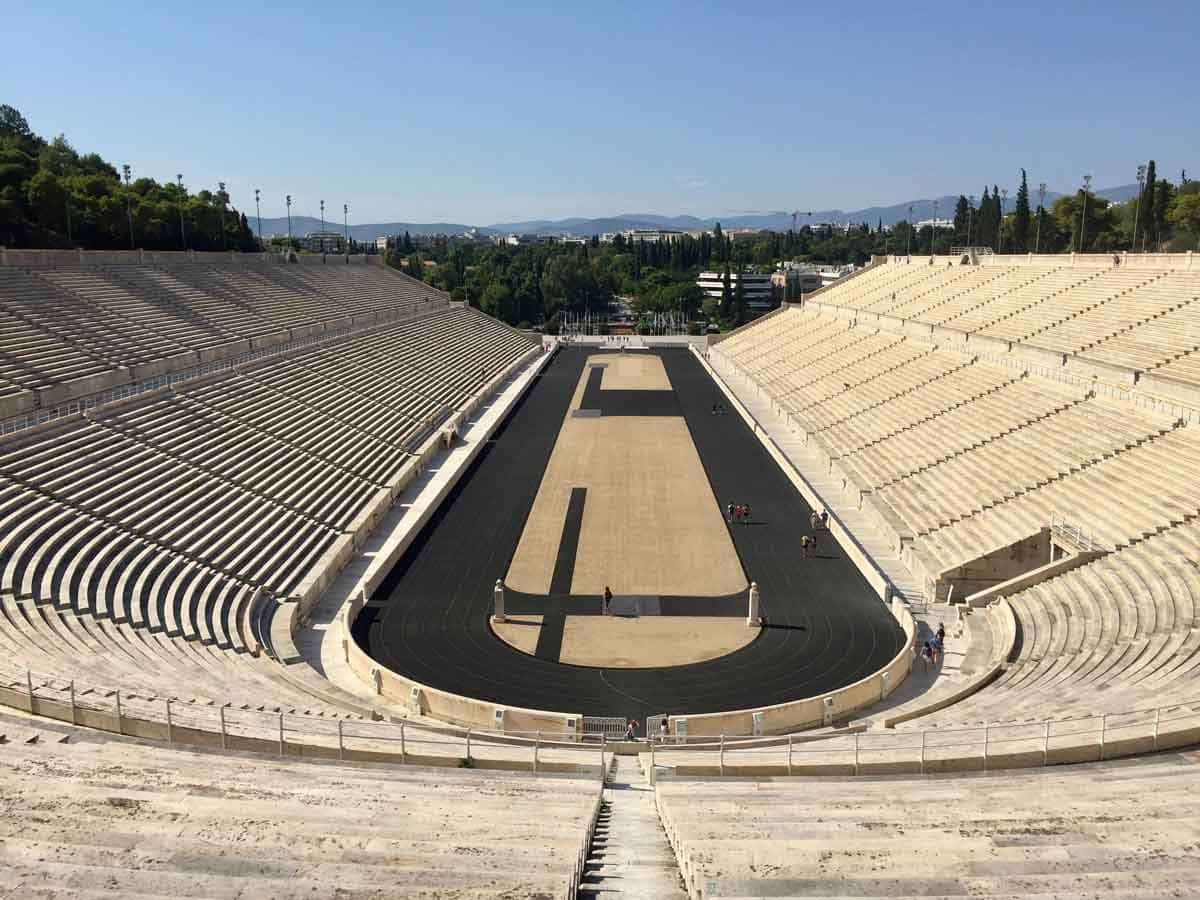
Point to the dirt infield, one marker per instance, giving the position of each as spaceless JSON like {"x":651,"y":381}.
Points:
{"x":633,"y":642}
{"x":650,"y":522}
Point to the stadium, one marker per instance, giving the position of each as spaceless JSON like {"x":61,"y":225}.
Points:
{"x":319,"y":582}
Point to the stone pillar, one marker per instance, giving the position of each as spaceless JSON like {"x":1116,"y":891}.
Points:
{"x":498,"y":598}
{"x":753,"y":619}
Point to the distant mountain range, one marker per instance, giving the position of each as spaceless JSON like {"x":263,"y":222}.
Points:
{"x":778,"y":221}
{"x":581,"y":227}
{"x":302,"y":225}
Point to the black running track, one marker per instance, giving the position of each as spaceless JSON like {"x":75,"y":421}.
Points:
{"x":429,"y":619}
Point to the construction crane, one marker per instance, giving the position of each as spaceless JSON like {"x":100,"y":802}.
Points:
{"x":796,"y":215}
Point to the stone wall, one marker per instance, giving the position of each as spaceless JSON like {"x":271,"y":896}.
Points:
{"x":1000,"y":565}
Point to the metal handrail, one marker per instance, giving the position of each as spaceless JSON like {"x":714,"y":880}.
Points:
{"x":1074,"y":533}
{"x":210,"y":723}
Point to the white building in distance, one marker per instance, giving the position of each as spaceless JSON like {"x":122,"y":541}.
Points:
{"x":756,"y":289}
{"x":323,"y":241}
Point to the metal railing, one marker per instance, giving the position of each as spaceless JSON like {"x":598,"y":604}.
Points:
{"x":277,"y":732}
{"x":585,"y":843}
{"x":995,"y":745}
{"x":135,"y":712}
{"x":1075,"y":534}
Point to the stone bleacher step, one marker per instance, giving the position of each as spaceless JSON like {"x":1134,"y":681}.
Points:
{"x":1135,"y":324}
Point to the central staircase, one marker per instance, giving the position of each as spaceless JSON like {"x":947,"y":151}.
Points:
{"x":630,"y":856}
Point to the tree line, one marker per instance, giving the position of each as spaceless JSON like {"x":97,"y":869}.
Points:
{"x":1164,"y":216}
{"x":535,"y":283}
{"x":52,"y":196}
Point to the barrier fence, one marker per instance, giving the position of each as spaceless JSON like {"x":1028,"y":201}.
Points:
{"x":283,"y":733}
{"x":997,"y":745}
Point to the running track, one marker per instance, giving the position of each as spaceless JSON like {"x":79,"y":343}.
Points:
{"x":429,"y":618}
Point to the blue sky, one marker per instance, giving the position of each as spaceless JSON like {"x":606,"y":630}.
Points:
{"x":500,"y":111}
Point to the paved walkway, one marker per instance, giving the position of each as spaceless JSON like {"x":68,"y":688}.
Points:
{"x":320,"y":644}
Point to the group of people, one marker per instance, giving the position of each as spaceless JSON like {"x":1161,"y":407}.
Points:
{"x":809,"y":543}
{"x":739,"y":512}
{"x":718,"y":409}
{"x":664,"y":729}
{"x":934,"y":648}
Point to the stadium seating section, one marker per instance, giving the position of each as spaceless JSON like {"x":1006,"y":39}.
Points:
{"x":960,"y":451}
{"x":134,"y":537}
{"x":192,"y":443}
{"x":205,"y":825}
{"x":1120,"y":830}
{"x":67,"y":331}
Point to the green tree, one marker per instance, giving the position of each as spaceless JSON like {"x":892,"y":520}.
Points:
{"x":13,"y":124}
{"x":1184,"y":212}
{"x":740,"y":312}
{"x":1021,"y":218}
{"x":962,"y":214}
{"x":726,"y":309}
{"x":1163,"y":194}
{"x":1148,"y":203}
{"x":498,"y":301}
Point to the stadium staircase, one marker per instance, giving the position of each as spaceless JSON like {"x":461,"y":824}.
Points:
{"x":629,"y":855}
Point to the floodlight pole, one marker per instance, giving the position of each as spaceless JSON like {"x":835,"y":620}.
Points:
{"x":908,"y":243}
{"x":322,"y":226}
{"x":970,"y":217}
{"x":258,"y":211}
{"x":182,"y":201}
{"x":128,"y":205}
{"x":1141,"y":180}
{"x":346,"y":227}
{"x":289,"y":215}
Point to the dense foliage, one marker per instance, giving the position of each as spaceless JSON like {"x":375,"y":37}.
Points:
{"x":531,"y":284}
{"x":53,"y":196}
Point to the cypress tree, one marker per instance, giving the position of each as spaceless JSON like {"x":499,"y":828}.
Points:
{"x":982,"y":236}
{"x":726,"y":294}
{"x":739,"y":299}
{"x":1163,"y":194}
{"x":1021,"y":218}
{"x":1148,"y":200}
{"x":997,"y":215}
{"x":961,"y":217}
